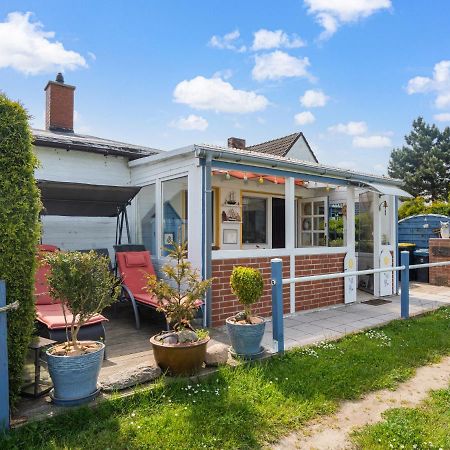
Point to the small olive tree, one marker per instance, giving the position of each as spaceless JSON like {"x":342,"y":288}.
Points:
{"x":84,"y":285}
{"x":180,"y":294}
{"x":248,"y":285}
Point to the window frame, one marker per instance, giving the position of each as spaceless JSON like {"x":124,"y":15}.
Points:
{"x":312,"y":216}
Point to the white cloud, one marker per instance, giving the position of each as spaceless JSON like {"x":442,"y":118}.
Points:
{"x":225,"y":74}
{"x":331,"y":14}
{"x":228,"y":41}
{"x":439,"y":84}
{"x":27,"y":48}
{"x":218,"y":95}
{"x":278,"y":64}
{"x":266,"y":39}
{"x":443,"y":117}
{"x":350,"y":128}
{"x":304,"y":118}
{"x":375,"y":141}
{"x":191,"y":122}
{"x":314,"y":98}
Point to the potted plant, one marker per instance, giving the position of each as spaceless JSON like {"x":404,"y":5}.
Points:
{"x":245,"y":330}
{"x":182,"y":350}
{"x":84,"y":285}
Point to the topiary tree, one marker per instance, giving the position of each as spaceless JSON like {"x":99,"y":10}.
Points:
{"x":84,"y":285}
{"x":248,"y":285}
{"x":19,"y":231}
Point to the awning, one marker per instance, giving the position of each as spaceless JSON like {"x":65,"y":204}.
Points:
{"x":84,"y":200}
{"x":387,"y":189}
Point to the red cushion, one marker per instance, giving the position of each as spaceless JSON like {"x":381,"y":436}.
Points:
{"x":136,"y":259}
{"x":42,"y":296}
{"x":147,"y":299}
{"x":52,"y":316}
{"x":135,"y":277}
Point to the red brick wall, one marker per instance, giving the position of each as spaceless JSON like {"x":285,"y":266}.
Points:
{"x":439,"y":251}
{"x":315,"y":294}
{"x":308,"y":295}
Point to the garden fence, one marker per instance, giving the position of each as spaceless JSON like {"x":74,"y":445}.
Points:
{"x":278,"y":281}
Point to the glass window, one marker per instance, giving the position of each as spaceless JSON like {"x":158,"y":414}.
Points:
{"x":313,"y":225}
{"x":147,"y":218}
{"x":175,"y":211}
{"x":254,"y":220}
{"x":337,"y":223}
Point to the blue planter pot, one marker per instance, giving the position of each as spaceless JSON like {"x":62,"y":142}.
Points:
{"x":246,"y":338}
{"x":75,"y":377}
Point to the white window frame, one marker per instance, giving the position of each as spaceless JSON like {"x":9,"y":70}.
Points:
{"x":300,"y":218}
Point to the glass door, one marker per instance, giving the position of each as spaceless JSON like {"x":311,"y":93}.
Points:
{"x":364,"y":246}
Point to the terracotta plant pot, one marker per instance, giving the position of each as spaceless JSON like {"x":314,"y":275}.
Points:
{"x":180,"y":359}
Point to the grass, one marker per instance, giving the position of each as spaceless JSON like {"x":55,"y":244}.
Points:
{"x":425,"y":427}
{"x":245,"y":407}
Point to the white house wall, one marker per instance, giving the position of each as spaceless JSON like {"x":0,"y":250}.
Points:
{"x":301,"y":151}
{"x":72,"y":233}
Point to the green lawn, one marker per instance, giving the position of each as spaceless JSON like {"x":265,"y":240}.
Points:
{"x":425,"y":427}
{"x":244,"y":407}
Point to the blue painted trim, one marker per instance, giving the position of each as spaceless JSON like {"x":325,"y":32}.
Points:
{"x":404,"y":298}
{"x":277,"y":172}
{"x":276,"y":266}
{"x":4,"y":384}
{"x":202,"y":163}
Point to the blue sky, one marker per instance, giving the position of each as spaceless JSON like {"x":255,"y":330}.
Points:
{"x":168,"y":74}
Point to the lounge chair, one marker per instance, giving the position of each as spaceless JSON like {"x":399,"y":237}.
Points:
{"x":49,"y":313}
{"x":133,"y":268}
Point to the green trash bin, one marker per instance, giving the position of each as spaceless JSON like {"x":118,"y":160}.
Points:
{"x":407,"y":246}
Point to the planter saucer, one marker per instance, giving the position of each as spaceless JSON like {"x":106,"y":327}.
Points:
{"x":75,"y":401}
{"x":258,"y":355}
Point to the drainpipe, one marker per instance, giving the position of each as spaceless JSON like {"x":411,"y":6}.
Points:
{"x":207,"y":235}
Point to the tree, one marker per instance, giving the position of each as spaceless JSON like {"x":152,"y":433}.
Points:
{"x":19,"y":231}
{"x":424,"y":162}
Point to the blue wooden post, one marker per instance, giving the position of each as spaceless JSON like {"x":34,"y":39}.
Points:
{"x":4,"y":383}
{"x":277,"y":304}
{"x":404,"y":299}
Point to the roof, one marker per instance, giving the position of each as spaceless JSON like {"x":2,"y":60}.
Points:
{"x":92,"y":144}
{"x":280,"y":146}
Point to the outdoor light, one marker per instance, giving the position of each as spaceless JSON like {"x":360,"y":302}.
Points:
{"x":227,"y":176}
{"x":261,"y":180}
{"x":276,"y":181}
{"x":245,"y":178}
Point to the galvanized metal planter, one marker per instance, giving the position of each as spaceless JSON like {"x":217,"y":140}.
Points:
{"x":246,"y":338}
{"x":75,"y":377}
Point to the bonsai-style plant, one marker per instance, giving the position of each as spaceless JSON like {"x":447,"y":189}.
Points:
{"x":245,"y":330}
{"x":182,"y":350}
{"x":247,"y":284}
{"x":180,"y":294}
{"x":84,"y":285}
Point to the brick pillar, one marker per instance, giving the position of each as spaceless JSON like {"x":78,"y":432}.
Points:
{"x":439,"y":251}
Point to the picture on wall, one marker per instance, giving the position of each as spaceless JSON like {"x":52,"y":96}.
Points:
{"x":169,"y":238}
{"x":230,"y":236}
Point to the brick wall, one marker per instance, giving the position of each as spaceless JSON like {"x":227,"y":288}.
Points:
{"x":308,"y":295}
{"x":439,"y":251}
{"x":59,"y":106}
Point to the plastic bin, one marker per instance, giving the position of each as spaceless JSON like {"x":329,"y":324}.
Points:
{"x":407,"y":246}
{"x":422,"y":256}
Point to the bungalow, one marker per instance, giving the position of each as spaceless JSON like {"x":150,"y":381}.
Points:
{"x":234,"y":205}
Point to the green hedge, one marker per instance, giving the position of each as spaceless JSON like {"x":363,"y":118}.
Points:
{"x":418,"y":205}
{"x":19,"y":231}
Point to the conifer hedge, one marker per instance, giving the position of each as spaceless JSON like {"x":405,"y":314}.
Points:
{"x":19,"y":231}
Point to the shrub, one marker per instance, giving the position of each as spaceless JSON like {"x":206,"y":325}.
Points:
{"x":247,"y":284}
{"x":180,"y":295}
{"x":85,"y":286}
{"x":19,"y":231}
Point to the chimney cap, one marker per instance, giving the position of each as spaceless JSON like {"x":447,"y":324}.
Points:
{"x":59,"y":77}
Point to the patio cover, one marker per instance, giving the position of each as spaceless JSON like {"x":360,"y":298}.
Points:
{"x":386,"y":189}
{"x":84,"y":200}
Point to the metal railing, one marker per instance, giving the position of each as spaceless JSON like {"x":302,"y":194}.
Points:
{"x":277,"y":283}
{"x":4,"y":385}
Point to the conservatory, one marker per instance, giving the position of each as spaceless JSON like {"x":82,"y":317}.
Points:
{"x":235,"y":206}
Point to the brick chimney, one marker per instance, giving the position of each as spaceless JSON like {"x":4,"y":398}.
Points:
{"x":59,"y":105}
{"x":236,"y":143}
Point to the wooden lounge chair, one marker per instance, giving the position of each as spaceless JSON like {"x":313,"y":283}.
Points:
{"x":133,"y":268}
{"x":49,"y":314}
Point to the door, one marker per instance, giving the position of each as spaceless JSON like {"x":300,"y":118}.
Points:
{"x":365,"y":229}
{"x":278,"y":223}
